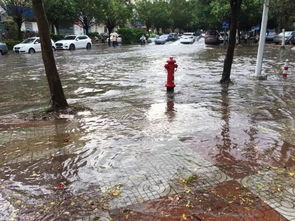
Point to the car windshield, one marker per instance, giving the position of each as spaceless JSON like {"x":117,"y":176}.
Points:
{"x":188,"y":34}
{"x":271,"y":34}
{"x":212,"y":33}
{"x":29,"y":40}
{"x":70,"y":37}
{"x":163,"y":36}
{"x":288,"y":33}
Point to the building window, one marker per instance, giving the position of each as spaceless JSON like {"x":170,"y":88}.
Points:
{"x":29,"y":26}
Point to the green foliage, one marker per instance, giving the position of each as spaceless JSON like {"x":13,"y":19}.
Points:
{"x":88,"y":12}
{"x":93,"y":35}
{"x":11,"y":30}
{"x":181,"y":14}
{"x":130,"y":35}
{"x":143,"y":12}
{"x":116,"y":13}
{"x":161,"y":15}
{"x":207,"y":14}
{"x":11,"y":43}
{"x":282,"y":14}
{"x":17,"y":12}
{"x":60,"y":12}
{"x":55,"y":37}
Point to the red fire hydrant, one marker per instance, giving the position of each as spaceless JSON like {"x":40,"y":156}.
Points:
{"x":171,"y":67}
{"x":285,"y":69}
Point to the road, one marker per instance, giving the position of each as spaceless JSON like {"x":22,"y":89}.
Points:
{"x":138,"y":139}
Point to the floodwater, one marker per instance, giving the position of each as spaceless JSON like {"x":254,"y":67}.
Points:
{"x":46,"y":168}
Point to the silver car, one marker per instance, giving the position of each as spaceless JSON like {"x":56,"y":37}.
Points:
{"x":3,"y":48}
{"x":289,"y":35}
{"x":161,"y":40}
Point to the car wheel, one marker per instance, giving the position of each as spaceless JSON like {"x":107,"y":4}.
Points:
{"x":32,"y":51}
{"x":88,"y":46}
{"x":72,"y":47}
{"x":1,"y":52}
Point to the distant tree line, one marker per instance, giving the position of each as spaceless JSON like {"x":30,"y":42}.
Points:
{"x":191,"y":15}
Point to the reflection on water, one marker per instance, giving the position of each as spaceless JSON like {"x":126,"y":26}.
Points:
{"x":238,"y":128}
{"x":170,"y":111}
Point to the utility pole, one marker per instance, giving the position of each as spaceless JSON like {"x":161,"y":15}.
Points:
{"x":283,"y":38}
{"x":262,"y":39}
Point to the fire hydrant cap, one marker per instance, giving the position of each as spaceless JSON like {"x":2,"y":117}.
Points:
{"x":171,"y":60}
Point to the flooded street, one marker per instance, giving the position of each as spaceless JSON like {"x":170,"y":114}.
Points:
{"x":134,"y":142}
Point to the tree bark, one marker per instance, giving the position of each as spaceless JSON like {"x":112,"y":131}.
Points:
{"x":110,"y":30}
{"x":58,"y":100}
{"x":57,"y":28}
{"x":235,"y":10}
{"x":19,"y":32}
{"x":86,"y":28}
{"x":52,"y":28}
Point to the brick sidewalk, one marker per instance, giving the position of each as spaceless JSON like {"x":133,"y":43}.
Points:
{"x":167,"y":180}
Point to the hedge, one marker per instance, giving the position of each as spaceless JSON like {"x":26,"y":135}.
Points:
{"x":130,"y":35}
{"x":11,"y":43}
{"x":55,"y":37}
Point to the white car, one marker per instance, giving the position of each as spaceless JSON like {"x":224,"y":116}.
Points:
{"x":188,"y":38}
{"x":30,"y":45}
{"x":72,"y":42}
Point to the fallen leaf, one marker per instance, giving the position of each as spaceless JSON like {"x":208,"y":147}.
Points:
{"x":116,"y":193}
{"x":183,"y":217}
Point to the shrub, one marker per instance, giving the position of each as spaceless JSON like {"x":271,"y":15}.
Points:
{"x":55,"y":37}
{"x":10,"y":30}
{"x":131,"y":35}
{"x":93,"y":35}
{"x":11,"y":43}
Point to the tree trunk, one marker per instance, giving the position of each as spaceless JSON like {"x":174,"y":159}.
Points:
{"x":239,"y":35}
{"x":86,"y":28}
{"x":148,"y":28}
{"x":19,"y":32}
{"x":52,"y":29}
{"x":57,"y":28}
{"x":58,"y":100}
{"x":158,"y":30}
{"x":235,"y":10}
{"x":110,"y":30}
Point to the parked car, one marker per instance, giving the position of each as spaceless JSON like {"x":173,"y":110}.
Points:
{"x":289,"y":35}
{"x":152,"y":39}
{"x":223,"y":36}
{"x":292,"y":40}
{"x":270,"y":36}
{"x":162,"y":39}
{"x":213,"y":37}
{"x":72,"y":42}
{"x":30,"y":45}
{"x":3,"y":48}
{"x":188,"y":38}
{"x":173,"y":37}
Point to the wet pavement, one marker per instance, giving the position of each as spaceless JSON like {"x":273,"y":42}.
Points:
{"x":138,"y":149}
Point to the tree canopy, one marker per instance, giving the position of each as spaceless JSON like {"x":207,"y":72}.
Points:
{"x":18,"y":10}
{"x":184,"y":15}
